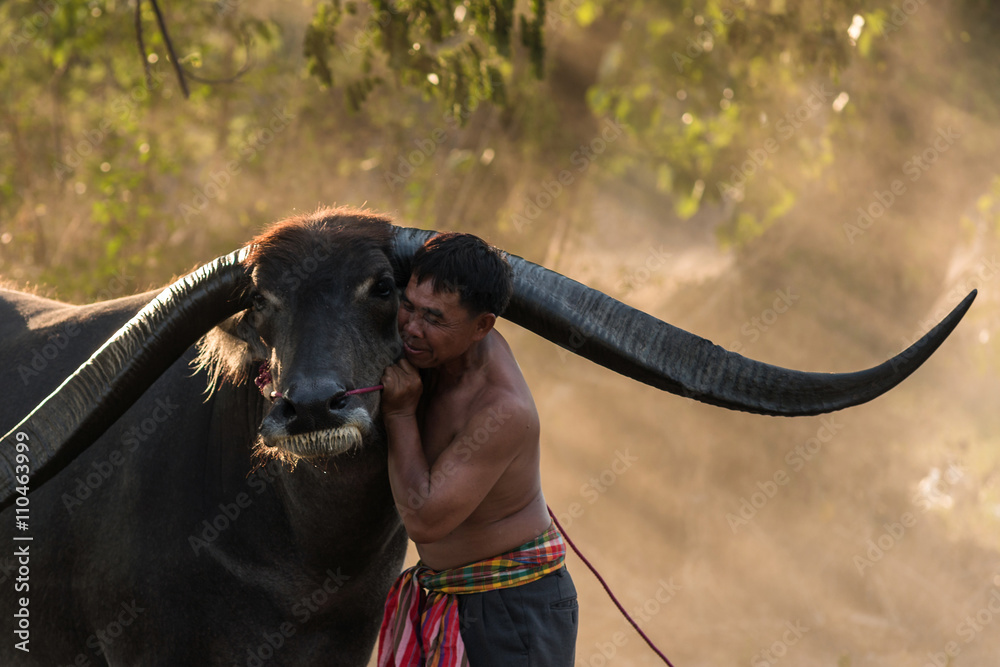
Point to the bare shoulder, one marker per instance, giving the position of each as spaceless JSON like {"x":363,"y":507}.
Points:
{"x":505,"y":395}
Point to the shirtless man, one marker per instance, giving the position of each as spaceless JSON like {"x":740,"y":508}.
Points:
{"x":463,"y":437}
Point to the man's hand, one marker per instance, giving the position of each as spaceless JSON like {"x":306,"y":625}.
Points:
{"x":402,"y":389}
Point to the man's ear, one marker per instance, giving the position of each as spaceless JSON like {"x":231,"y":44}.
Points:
{"x":484,"y":324}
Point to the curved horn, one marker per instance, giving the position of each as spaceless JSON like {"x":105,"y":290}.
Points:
{"x":104,"y":387}
{"x":630,"y":342}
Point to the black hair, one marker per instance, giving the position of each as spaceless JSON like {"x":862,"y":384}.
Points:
{"x":466,"y":264}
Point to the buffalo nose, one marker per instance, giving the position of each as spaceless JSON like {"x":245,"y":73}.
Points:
{"x":312,"y":406}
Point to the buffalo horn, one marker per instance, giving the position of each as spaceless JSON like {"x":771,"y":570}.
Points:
{"x":630,"y":342}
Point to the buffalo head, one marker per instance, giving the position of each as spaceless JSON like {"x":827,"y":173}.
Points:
{"x":321,"y":324}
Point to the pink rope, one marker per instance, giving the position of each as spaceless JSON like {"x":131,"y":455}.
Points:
{"x":608,"y":590}
{"x":363,"y":390}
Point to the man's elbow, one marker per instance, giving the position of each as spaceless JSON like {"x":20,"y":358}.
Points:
{"x":423,"y":535}
{"x":422,"y":529}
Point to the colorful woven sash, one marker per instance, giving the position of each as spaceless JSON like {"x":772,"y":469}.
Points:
{"x":422,"y":628}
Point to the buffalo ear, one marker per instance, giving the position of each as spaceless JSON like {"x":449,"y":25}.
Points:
{"x":228,"y":351}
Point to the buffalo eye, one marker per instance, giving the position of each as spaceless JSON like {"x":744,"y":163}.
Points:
{"x":384,"y":287}
{"x":259,"y":302}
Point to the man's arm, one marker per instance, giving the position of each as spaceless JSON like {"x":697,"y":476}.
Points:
{"x":435,"y":499}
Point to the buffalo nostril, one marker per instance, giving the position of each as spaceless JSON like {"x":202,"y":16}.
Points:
{"x":284,"y":410}
{"x":338,"y":402}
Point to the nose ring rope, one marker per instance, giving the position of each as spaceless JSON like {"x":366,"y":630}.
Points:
{"x":264,"y":378}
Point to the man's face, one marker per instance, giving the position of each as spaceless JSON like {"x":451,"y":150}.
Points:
{"x":434,"y":326}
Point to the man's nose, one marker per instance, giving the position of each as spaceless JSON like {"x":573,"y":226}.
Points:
{"x":411,"y":325}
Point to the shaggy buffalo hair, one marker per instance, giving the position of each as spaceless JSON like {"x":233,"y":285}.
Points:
{"x":229,"y":352}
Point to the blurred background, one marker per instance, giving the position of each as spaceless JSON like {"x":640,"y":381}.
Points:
{"x":809,"y":184}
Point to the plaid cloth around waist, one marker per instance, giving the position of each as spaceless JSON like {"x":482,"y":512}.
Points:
{"x":422,"y":628}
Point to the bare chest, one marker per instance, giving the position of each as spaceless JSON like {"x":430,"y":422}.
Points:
{"x":442,"y":418}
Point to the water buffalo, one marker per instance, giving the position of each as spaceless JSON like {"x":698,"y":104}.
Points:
{"x":164,"y":527}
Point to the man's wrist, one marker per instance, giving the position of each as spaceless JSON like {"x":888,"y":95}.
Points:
{"x":399,"y":415}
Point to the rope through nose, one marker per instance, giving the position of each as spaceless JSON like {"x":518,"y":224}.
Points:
{"x":364,"y":390}
{"x":264,"y":379}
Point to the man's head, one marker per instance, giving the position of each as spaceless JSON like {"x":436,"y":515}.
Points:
{"x":458,"y":287}
{"x":465,"y":264}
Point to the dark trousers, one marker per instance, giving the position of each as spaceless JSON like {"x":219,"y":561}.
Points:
{"x":531,"y":625}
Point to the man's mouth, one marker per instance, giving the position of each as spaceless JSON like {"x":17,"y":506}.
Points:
{"x":411,"y":350}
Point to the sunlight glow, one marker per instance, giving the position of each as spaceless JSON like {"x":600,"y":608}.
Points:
{"x":433,"y":78}
{"x":856,"y":25}
{"x":840,"y":102}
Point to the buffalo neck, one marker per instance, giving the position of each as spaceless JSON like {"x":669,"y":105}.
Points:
{"x":331,"y":510}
